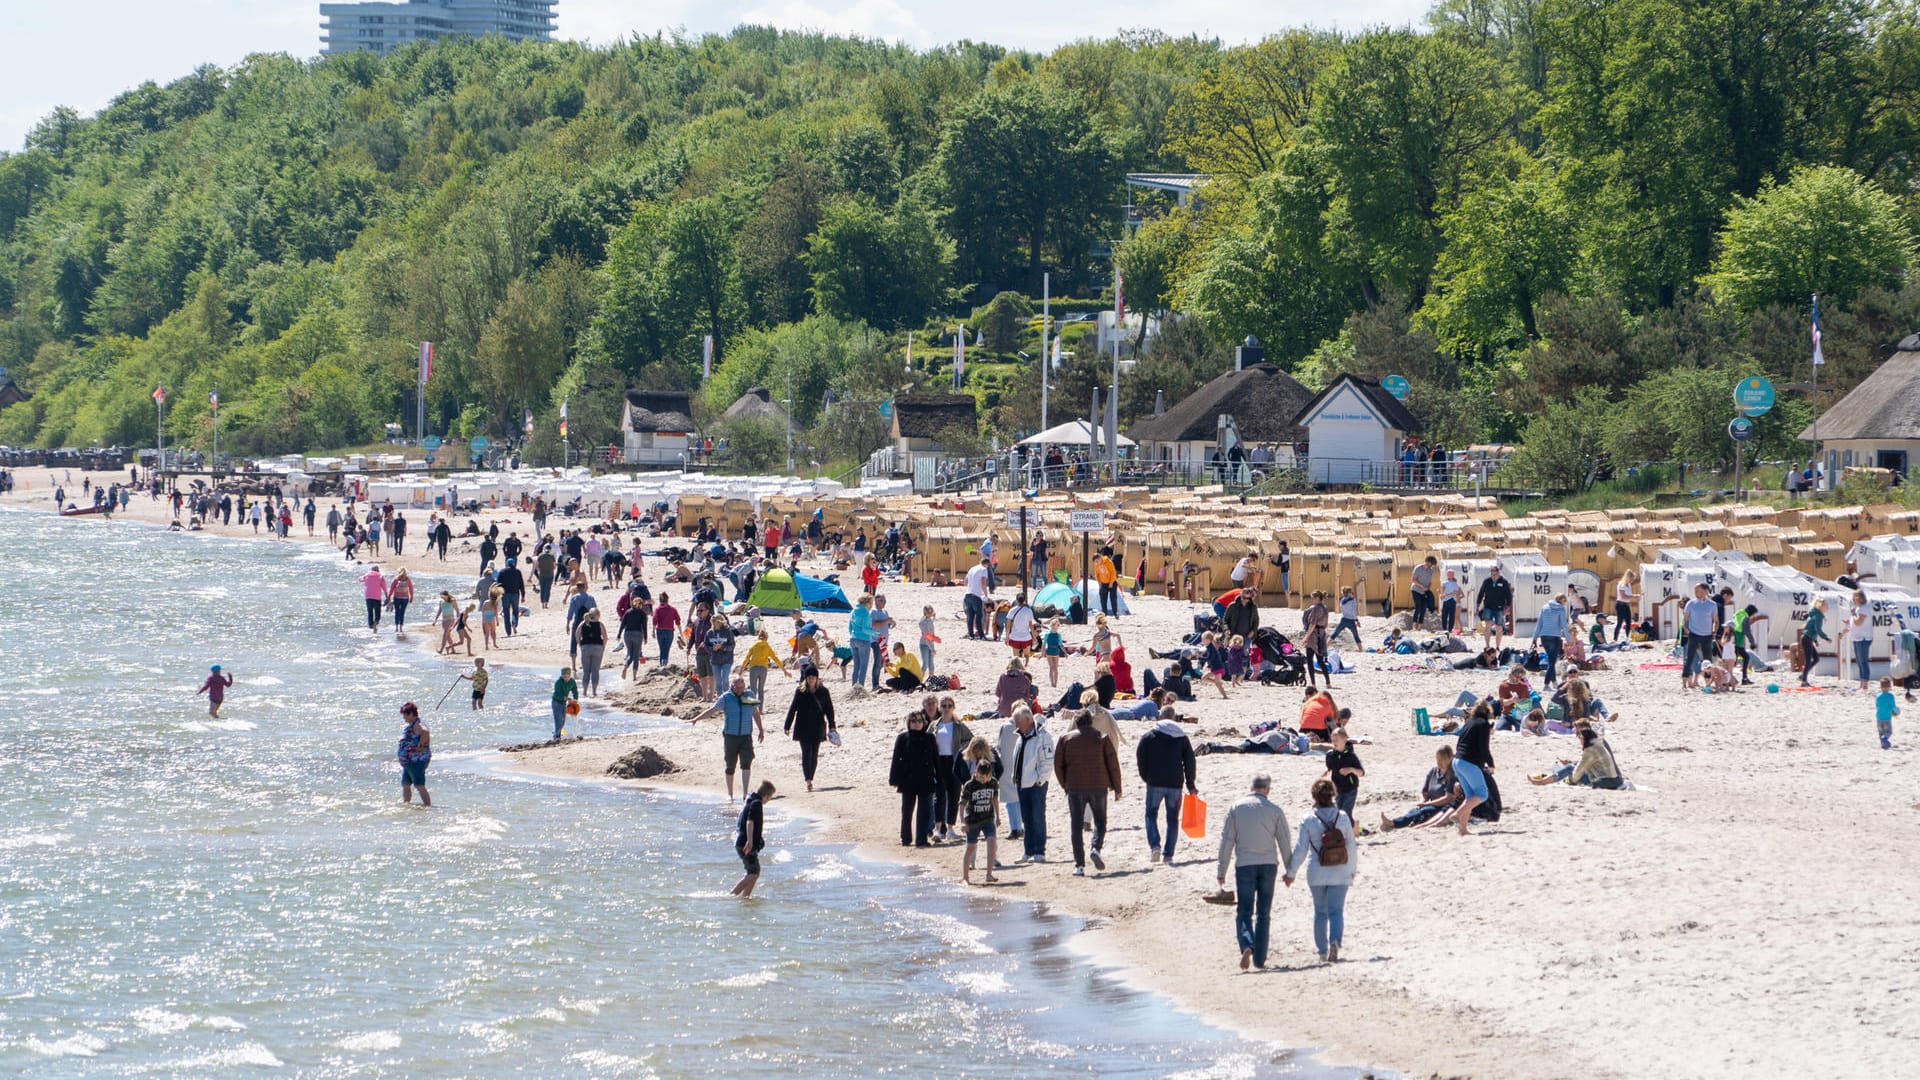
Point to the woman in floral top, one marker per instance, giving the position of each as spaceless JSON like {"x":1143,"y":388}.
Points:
{"x":416,"y":749}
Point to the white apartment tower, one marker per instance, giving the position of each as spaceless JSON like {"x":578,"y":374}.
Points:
{"x":384,"y":27}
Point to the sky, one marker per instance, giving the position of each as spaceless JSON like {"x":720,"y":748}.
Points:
{"x":83,"y":52}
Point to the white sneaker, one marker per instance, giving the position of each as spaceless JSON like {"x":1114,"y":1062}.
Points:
{"x":1098,"y":862}
{"x":1079,"y":871}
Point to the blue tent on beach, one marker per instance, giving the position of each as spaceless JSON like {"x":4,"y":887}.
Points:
{"x":1059,"y":595}
{"x":818,"y":595}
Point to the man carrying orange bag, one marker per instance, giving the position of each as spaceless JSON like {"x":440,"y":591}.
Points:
{"x":1165,"y":759}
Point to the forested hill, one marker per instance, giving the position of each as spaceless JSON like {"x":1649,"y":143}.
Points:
{"x":1572,"y":217}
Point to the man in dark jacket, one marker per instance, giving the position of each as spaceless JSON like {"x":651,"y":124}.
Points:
{"x":1088,"y":767}
{"x":515,"y":583}
{"x":1165,"y":758}
{"x":1494,"y":601}
{"x":1243,"y":616}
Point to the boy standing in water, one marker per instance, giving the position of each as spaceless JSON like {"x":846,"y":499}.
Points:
{"x":478,"y":677}
{"x":415,"y":751}
{"x":216,"y":690}
{"x":751,"y":838}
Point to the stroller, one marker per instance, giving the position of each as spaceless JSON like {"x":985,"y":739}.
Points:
{"x":1289,"y":664}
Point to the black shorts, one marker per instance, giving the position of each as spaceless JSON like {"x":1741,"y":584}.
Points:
{"x":479,"y":695}
{"x":975,"y":832}
{"x":739,"y":748}
{"x":751,"y":862}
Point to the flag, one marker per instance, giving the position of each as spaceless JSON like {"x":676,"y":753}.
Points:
{"x":1817,"y":358}
{"x":563,"y":418}
{"x":1055,"y":364}
{"x":526,"y":425}
{"x":909,"y":351}
{"x":706,"y":357}
{"x":159,"y":393}
{"x":959,"y":357}
{"x":426,"y":362}
{"x":1119,"y":300}
{"x":213,"y":399}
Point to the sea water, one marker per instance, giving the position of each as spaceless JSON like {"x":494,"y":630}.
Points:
{"x":188,"y":896}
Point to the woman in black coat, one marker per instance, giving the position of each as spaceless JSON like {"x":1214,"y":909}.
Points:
{"x":810,"y":720}
{"x":916,"y":776}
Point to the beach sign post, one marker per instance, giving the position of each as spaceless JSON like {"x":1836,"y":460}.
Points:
{"x":1086,"y":523}
{"x":1397,"y":385}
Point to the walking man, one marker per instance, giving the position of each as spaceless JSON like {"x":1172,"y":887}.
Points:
{"x":1088,"y":767}
{"x":979,"y":590}
{"x":1252,"y":838}
{"x":740,"y":722}
{"x":1164,"y":756}
{"x":1029,"y":748}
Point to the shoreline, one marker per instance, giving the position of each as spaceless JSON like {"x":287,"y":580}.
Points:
{"x":1575,"y":938}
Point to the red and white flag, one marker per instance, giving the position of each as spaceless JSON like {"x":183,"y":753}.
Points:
{"x":159,"y":393}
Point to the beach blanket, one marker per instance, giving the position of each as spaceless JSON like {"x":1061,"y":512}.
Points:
{"x":1660,"y":666}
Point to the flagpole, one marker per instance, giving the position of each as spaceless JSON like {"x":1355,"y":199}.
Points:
{"x":1113,"y":397}
{"x":1816,"y":390}
{"x":1046,"y":360}
{"x":215,"y":467}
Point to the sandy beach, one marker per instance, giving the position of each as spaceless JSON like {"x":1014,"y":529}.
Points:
{"x":1747,"y":911}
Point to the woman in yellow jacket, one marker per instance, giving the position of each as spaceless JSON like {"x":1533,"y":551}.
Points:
{"x":903,"y":671}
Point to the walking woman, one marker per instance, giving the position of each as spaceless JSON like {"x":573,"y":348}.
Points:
{"x":590,"y":634}
{"x":416,"y":750}
{"x":916,"y":776}
{"x":810,"y":720}
{"x":1326,"y":844}
{"x":399,"y":595}
{"x":1812,"y":633}
{"x":1623,"y":600}
{"x":448,"y":614}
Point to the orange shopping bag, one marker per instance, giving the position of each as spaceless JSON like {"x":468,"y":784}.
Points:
{"x":1193,"y":817}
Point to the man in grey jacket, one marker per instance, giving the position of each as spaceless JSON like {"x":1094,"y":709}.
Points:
{"x":1253,"y":836}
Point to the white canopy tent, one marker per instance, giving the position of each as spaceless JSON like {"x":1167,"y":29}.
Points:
{"x":1072,"y":433}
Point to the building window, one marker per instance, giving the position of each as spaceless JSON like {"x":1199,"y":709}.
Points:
{"x":643,"y":440}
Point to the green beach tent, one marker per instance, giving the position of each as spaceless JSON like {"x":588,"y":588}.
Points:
{"x":776,"y":592}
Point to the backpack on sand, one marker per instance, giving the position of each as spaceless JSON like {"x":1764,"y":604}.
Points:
{"x":1333,"y":843}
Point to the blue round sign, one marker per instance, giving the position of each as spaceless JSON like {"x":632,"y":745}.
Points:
{"x":1753,"y":395}
{"x":1740,"y":429}
{"x":478,"y":444}
{"x":431,"y":443}
{"x":886,"y":409}
{"x":1397,"y":386}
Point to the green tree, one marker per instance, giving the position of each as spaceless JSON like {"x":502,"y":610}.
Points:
{"x":1001,"y":321}
{"x":1507,"y":244}
{"x":1235,"y":119}
{"x":1149,"y":262}
{"x":1407,"y":124}
{"x":1024,"y":175}
{"x":1827,"y":230}
{"x":1561,"y":446}
{"x":773,"y":243}
{"x":886,"y":269}
{"x":699,"y":278}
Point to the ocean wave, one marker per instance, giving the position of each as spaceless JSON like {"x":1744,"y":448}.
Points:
{"x":751,"y":978}
{"x":471,"y":830}
{"x":828,"y":868}
{"x":71,"y":1046}
{"x":602,"y":1063}
{"x":27,"y":840}
{"x":980,"y":983}
{"x":372,"y":1042}
{"x":245,"y":1054}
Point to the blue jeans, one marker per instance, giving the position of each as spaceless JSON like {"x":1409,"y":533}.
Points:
{"x":1550,"y":648}
{"x":1415,"y":816}
{"x":1346,"y":625}
{"x":665,"y":638}
{"x":976,"y":616}
{"x":1156,"y":796}
{"x":926,"y":659}
{"x":1253,"y":907}
{"x":877,"y":664}
{"x":1329,"y":915}
{"x":862,"y":652}
{"x":559,"y":717}
{"x":1012,"y":807}
{"x":1033,"y":811}
{"x":1861,"y":651}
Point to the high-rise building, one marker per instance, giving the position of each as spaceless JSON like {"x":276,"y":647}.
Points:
{"x":384,"y":27}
